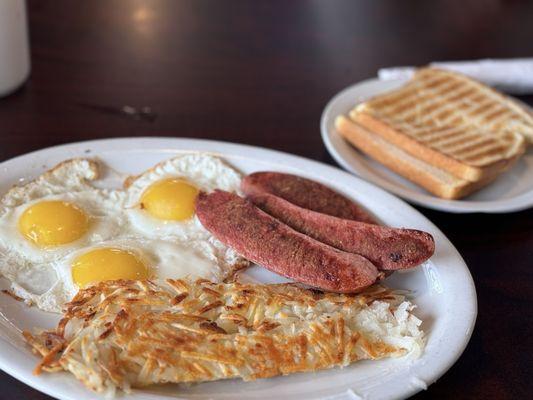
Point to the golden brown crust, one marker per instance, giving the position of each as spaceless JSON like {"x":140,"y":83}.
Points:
{"x":520,"y":109}
{"x":423,"y":152}
{"x":453,"y":188}
{"x":450,"y":121}
{"x":134,"y":333}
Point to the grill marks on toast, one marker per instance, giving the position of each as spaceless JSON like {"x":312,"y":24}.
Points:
{"x":439,"y":102}
{"x":436,"y":180}
{"x":441,"y":130}
{"x":455,"y":116}
{"x":480,"y":105}
{"x":453,"y":140}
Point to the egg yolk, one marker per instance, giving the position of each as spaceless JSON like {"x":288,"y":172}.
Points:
{"x":170,"y":199}
{"x":52,"y":223}
{"x":108,"y":263}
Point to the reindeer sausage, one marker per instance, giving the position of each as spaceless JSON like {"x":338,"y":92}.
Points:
{"x":265,"y":240}
{"x":305,"y":193}
{"x":387,"y":248}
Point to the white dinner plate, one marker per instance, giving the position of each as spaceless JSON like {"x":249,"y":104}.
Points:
{"x":512,"y":191}
{"x":442,"y":288}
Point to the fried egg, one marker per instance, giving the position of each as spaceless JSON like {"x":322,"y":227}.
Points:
{"x":49,"y":286}
{"x":60,"y":233}
{"x":161,"y":200}
{"x":58,"y":213}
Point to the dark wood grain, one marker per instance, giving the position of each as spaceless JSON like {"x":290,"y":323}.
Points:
{"x":260,"y":73}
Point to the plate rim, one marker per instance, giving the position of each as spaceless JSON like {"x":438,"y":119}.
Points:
{"x":470,"y":296}
{"x":521,"y":202}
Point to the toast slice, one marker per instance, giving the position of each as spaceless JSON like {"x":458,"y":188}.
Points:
{"x":435,"y":180}
{"x":451,"y":122}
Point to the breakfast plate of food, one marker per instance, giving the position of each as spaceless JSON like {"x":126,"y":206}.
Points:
{"x":439,"y":139}
{"x":181,"y":268}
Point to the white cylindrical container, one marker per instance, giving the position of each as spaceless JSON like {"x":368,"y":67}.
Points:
{"x":14,"y":46}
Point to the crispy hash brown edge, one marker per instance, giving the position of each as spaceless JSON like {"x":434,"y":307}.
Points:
{"x":123,"y":334}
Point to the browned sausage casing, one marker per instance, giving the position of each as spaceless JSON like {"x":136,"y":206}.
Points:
{"x":306,"y":194}
{"x":387,"y":248}
{"x":264,"y":240}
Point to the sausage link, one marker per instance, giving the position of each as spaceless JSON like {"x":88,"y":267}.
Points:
{"x":387,"y":248}
{"x":266,"y":241}
{"x":305,"y":193}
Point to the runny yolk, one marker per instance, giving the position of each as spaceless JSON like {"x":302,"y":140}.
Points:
{"x":52,"y":223}
{"x":107,"y":263}
{"x":170,"y":199}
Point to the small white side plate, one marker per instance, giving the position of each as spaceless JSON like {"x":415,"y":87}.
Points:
{"x":442,"y":288}
{"x":513,"y":191}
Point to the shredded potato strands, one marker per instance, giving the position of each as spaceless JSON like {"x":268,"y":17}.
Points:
{"x":123,"y":334}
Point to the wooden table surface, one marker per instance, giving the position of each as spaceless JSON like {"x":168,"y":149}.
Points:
{"x":260,"y":73}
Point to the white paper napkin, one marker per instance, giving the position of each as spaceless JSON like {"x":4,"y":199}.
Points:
{"x":513,"y":76}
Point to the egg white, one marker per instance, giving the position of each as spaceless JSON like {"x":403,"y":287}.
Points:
{"x":172,"y":249}
{"x":104,"y":209}
{"x":50,"y":286}
{"x":204,"y":171}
